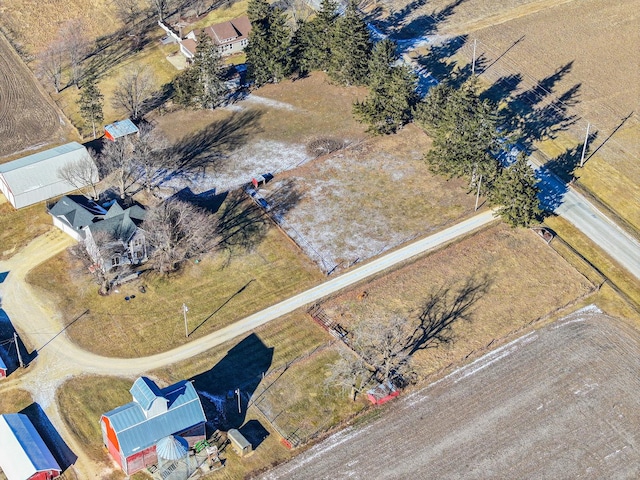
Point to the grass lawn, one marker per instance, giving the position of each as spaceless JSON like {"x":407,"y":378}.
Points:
{"x":13,"y":400}
{"x":279,"y":344}
{"x":19,"y":227}
{"x":611,"y":269}
{"x":218,"y":290}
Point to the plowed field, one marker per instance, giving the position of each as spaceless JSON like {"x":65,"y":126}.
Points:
{"x":27,"y":118}
{"x":557,"y":403}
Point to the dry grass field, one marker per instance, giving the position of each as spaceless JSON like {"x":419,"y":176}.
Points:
{"x":19,"y":227}
{"x":518,"y":279}
{"x":559,"y":402}
{"x":371,"y":197}
{"x":28,"y":118}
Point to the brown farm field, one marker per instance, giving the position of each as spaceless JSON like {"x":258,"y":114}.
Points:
{"x":559,"y":402}
{"x":28,"y":118}
{"x":568,"y":63}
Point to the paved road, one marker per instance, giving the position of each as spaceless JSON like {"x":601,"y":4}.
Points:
{"x":576,"y":209}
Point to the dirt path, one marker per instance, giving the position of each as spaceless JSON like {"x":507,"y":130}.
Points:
{"x":40,"y":326}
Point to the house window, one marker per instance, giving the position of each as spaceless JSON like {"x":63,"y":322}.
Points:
{"x":115,"y":261}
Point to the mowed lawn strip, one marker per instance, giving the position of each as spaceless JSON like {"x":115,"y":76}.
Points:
{"x":610,"y":268}
{"x":219,"y":290}
{"x":521,"y":279}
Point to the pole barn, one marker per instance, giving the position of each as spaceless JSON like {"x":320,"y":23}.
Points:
{"x":35,"y":178}
{"x":23,"y":453}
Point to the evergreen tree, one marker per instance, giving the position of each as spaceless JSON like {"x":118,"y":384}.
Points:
{"x":185,"y":87}
{"x":210,"y":77}
{"x":90,"y":103}
{"x":351,"y":48}
{"x":269,"y":41}
{"x":465,"y":135}
{"x":516,"y":191}
{"x":392,"y":91}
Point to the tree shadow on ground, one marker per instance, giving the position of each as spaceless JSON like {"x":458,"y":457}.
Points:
{"x":441,"y":310}
{"x":209,"y":200}
{"x":113,"y":49}
{"x":242,"y":369}
{"x":50,"y":436}
{"x":206,"y":148}
{"x":285,"y":197}
{"x":241,"y":224}
{"x":420,"y":26}
{"x":8,"y":352}
{"x":440,"y":64}
{"x":538,"y":113}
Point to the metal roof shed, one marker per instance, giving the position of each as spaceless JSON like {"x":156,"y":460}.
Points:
{"x":34,"y":178}
{"x":24,"y":455}
{"x":118,"y":129}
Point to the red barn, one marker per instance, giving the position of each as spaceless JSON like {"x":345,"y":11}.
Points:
{"x":131,"y":432}
{"x":23,"y":453}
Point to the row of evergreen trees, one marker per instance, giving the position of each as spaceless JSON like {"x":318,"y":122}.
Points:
{"x":464,"y":127}
{"x":466,"y":144}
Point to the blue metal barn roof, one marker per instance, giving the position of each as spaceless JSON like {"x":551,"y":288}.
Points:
{"x":121,"y":128}
{"x":135,"y":431}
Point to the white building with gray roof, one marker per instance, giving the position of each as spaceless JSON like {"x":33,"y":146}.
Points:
{"x":35,"y":178}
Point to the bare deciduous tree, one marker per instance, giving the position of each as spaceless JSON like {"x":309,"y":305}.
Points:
{"x":76,"y":45}
{"x":130,"y":95}
{"x":350,"y":372}
{"x":128,"y":11}
{"x":50,"y":64}
{"x":117,"y":161}
{"x":106,"y":245}
{"x":176,"y":231}
{"x":160,"y":7}
{"x":82,"y":174}
{"x":150,"y":154}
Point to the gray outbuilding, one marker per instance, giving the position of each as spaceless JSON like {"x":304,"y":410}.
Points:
{"x":35,"y":178}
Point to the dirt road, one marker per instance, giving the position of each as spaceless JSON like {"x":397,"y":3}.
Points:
{"x":40,"y":326}
{"x":557,"y":403}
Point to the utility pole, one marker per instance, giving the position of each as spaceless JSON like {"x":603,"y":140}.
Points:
{"x":15,"y":341}
{"x":478,"y":194}
{"x":473,"y":63}
{"x":584,"y":147}
{"x":185,"y":309}
{"x":238,"y":393}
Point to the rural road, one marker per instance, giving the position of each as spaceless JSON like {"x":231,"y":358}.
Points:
{"x":36,"y":319}
{"x":576,"y":209}
{"x":37,"y":322}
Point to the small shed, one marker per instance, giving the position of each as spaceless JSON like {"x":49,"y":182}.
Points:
{"x":3,"y":369}
{"x":241,"y":445}
{"x":382,"y":393}
{"x":23,"y":453}
{"x":34,"y":178}
{"x":119,"y":129}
